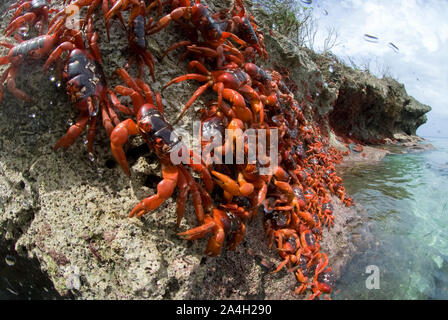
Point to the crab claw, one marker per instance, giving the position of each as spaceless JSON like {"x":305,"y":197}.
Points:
{"x":284,"y":186}
{"x":165,"y":21}
{"x":165,"y":189}
{"x":228,"y":184}
{"x":199,"y":232}
{"x":281,"y":174}
{"x":245,"y":188}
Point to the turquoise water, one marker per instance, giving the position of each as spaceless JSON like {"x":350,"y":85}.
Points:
{"x":406,"y":199}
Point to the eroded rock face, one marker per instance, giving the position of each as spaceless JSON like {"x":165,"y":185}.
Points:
{"x":69,"y":210}
{"x":366,"y":108}
{"x":351,"y":103}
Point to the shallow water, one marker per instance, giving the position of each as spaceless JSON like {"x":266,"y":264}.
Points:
{"x":406,"y":197}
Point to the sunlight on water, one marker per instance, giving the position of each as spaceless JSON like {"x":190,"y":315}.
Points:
{"x":406,"y":197}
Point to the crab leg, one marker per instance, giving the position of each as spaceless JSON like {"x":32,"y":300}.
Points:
{"x":182,"y":185}
{"x":18,"y":22}
{"x":193,"y":98}
{"x":196,"y":194}
{"x":118,"y":137}
{"x":199,"y":232}
{"x":73,"y":132}
{"x":11,"y":85}
{"x":165,"y":189}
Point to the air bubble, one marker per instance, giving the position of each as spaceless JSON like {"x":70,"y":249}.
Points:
{"x":24,"y":32}
{"x":58,"y":84}
{"x":331,"y":69}
{"x":33,"y":115}
{"x":12,"y":291}
{"x":91,"y":157}
{"x":70,"y":122}
{"x":52,"y":78}
{"x":10,"y":260}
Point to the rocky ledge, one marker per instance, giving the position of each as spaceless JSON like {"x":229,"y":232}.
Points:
{"x":66,"y":213}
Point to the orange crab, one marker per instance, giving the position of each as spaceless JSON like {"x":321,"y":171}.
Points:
{"x":160,"y":137}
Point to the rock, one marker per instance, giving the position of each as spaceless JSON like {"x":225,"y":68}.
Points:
{"x":367,"y":108}
{"x":68,"y":210}
{"x":369,"y":155}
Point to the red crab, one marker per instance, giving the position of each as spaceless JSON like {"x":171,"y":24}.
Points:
{"x":220,"y":223}
{"x":36,"y":11}
{"x":160,"y":137}
{"x":33,"y":49}
{"x":229,"y":82}
{"x":323,"y":280}
{"x":326,"y":213}
{"x":202,"y":21}
{"x":245,"y":27}
{"x":137,"y":41}
{"x":288,"y":246}
{"x":92,"y":4}
{"x":296,"y":202}
{"x":86,"y":86}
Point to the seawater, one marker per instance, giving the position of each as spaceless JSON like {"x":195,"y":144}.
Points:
{"x":406,"y":200}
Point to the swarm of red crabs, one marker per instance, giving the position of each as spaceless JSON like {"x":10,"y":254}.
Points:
{"x":221,"y":51}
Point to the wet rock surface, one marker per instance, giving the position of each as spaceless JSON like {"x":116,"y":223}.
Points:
{"x":66,"y":212}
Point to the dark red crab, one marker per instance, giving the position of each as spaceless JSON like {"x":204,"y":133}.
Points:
{"x":197,"y":20}
{"x":33,"y":49}
{"x":35,"y":12}
{"x":137,"y":40}
{"x":86,"y":86}
{"x":160,"y":137}
{"x":231,"y":83}
{"x":222,"y":223}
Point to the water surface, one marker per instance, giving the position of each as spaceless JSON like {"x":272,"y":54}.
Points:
{"x":406,"y":197}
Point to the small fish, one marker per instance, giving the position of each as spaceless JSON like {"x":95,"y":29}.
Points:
{"x":393,"y":47}
{"x":370,"y":38}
